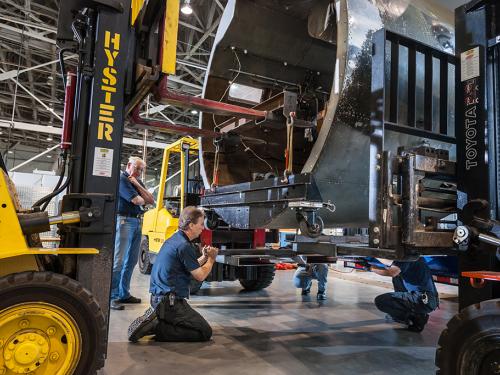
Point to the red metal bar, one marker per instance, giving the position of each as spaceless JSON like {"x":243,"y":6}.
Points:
{"x":167,"y":127}
{"x":205,"y":105}
{"x":259,"y":238}
{"x":69,"y":104}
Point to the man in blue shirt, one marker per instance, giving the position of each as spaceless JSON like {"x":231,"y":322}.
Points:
{"x":415,"y":294}
{"x":170,"y":318}
{"x":132,"y":196}
{"x":306,"y":273}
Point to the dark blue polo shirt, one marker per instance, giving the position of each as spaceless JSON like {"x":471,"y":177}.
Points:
{"x":173,"y":265}
{"x":416,"y":276}
{"x":127,"y":192}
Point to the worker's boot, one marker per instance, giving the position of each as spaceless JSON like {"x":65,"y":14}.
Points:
{"x":321,"y":296}
{"x":144,"y":325}
{"x":418,"y":322}
{"x":306,"y":291}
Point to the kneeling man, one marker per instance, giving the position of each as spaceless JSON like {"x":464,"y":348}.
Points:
{"x":170,"y":318}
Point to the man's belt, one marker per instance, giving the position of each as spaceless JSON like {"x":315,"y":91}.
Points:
{"x":137,"y":216}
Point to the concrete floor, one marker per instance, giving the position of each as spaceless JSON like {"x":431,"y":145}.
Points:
{"x":277,"y":331}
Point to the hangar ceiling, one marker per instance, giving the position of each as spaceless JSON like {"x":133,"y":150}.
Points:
{"x":31,"y":89}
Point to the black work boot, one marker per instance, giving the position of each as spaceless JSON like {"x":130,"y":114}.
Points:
{"x":144,"y":325}
{"x":306,"y":291}
{"x":321,"y":296}
{"x":418,"y":322}
{"x":115,"y":305}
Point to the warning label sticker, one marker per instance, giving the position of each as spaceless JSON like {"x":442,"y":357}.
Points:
{"x":103,"y":162}
{"x":469,"y":62}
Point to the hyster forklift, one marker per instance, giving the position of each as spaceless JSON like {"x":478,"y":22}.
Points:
{"x":54,"y":303}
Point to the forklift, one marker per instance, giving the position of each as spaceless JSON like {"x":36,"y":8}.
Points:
{"x":470,"y":344}
{"x":54,"y":303}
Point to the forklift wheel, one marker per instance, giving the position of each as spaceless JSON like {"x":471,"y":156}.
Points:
{"x":49,"y":324}
{"x":145,"y":265}
{"x":265,"y":276}
{"x":470,"y":344}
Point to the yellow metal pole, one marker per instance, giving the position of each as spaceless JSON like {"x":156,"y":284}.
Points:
{"x":170,"y":28}
{"x":183,"y":175}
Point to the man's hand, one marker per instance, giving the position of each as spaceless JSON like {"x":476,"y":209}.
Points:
{"x":204,"y":250}
{"x":146,"y":196}
{"x":212,"y":252}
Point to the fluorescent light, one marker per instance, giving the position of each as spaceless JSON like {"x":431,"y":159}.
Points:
{"x":49,"y":156}
{"x":49,"y":138}
{"x":194,"y":112}
{"x":186,"y":8}
{"x":10,"y":152}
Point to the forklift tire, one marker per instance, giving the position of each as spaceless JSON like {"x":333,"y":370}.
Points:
{"x":53,"y":321}
{"x":470,"y":343}
{"x":145,"y":265}
{"x":195,"y":286}
{"x":265,"y":276}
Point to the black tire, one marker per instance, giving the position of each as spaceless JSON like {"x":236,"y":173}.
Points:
{"x":71,"y":297}
{"x":470,"y":343}
{"x":195,"y":286}
{"x":145,"y":265}
{"x":265,"y":276}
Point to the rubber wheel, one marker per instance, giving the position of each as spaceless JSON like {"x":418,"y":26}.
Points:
{"x":45,"y":312}
{"x":470,"y":343}
{"x":195,"y":286}
{"x":265,"y":276}
{"x":145,"y":265}
{"x":311,"y":230}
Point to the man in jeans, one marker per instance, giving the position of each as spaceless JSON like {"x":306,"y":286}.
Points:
{"x":132,"y":196}
{"x":415,"y":295}
{"x":170,"y":318}
{"x":304,"y":276}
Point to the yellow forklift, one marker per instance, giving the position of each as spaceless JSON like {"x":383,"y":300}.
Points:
{"x":54,"y":302}
{"x":177,"y":189}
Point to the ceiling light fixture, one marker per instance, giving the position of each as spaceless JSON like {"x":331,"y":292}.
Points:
{"x":49,"y":138}
{"x":194,"y":112}
{"x":186,"y":8}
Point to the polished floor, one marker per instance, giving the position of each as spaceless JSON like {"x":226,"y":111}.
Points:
{"x":277,"y":331}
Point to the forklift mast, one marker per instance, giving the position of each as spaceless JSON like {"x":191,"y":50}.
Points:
{"x":478,"y":139}
{"x":123,"y":47}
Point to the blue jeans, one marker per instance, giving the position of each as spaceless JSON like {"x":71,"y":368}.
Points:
{"x":127,"y":247}
{"x":304,"y":276}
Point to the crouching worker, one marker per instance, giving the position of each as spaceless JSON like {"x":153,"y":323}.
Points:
{"x":306,"y":273}
{"x":415,"y":295}
{"x":170,"y":318}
